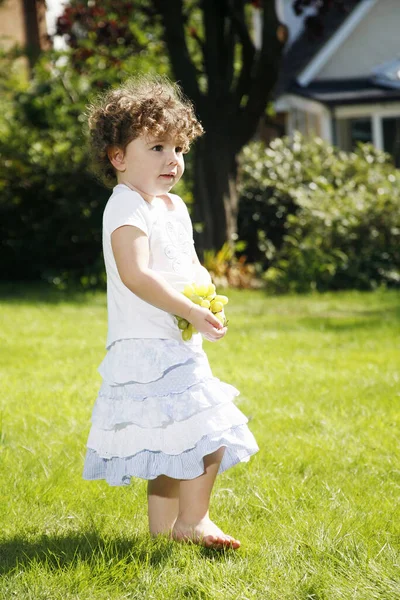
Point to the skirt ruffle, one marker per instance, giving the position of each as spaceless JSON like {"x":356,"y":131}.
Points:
{"x":160,"y":411}
{"x":122,"y":406}
{"x":146,"y":360}
{"x":238,"y":442}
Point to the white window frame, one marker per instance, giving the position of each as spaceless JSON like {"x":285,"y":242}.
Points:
{"x":376,"y":112}
{"x":288,"y":102}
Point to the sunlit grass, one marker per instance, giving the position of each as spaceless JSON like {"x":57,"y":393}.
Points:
{"x":317,"y":509}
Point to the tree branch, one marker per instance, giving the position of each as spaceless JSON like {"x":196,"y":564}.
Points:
{"x":264,"y":76}
{"x":174,"y":33}
{"x":214,"y":14}
{"x":229,"y":56}
{"x":248,"y":50}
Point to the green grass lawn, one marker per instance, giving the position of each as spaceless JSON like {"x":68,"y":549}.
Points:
{"x":317,"y":509}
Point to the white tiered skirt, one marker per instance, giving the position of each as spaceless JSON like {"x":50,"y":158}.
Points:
{"x":159,"y":412}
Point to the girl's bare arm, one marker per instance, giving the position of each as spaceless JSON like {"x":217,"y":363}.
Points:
{"x":131,"y":252}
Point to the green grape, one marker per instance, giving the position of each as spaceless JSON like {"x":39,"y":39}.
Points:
{"x":201,"y":290}
{"x":182,"y":323}
{"x":222,"y":299}
{"x":207,"y":297}
{"x":211,"y":290}
{"x":189,"y":290}
{"x":216,"y":307}
{"x":186,"y":335}
{"x":221,"y":317}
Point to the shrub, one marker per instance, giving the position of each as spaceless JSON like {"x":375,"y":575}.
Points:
{"x":50,"y":205}
{"x":227,"y":270}
{"x":337,"y":214}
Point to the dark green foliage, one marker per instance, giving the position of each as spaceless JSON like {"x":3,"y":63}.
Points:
{"x":50,"y":204}
{"x":320,"y":218}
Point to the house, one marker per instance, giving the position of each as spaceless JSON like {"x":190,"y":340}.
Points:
{"x":345,"y":85}
{"x":23,"y":24}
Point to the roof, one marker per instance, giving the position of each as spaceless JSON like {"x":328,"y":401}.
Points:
{"x":303,"y":50}
{"x":347,"y":91}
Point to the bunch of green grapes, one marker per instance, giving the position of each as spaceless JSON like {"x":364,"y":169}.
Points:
{"x":206,"y":296}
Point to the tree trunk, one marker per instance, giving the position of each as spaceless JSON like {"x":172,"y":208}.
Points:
{"x":215,"y":191}
{"x":231,"y":108}
{"x":32,"y":34}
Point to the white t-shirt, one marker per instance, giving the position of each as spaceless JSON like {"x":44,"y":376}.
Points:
{"x":170,"y":236}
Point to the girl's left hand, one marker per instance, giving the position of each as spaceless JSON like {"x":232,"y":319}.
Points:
{"x":218,"y":335}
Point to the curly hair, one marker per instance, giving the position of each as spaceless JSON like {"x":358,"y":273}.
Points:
{"x":144,"y":105}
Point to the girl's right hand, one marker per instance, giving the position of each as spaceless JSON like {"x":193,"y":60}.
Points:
{"x":206,"y":323}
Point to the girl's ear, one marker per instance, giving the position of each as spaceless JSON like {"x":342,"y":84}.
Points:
{"x":117,"y":158}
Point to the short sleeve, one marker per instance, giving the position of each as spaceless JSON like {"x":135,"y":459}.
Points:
{"x":126,"y":208}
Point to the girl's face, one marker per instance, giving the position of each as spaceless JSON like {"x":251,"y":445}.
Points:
{"x":150,"y":165}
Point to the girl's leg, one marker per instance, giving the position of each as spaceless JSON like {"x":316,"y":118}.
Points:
{"x":163,"y":504}
{"x":193,"y":522}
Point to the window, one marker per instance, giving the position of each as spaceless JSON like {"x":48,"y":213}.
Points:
{"x":351,"y":131}
{"x":299,"y":120}
{"x":391,"y":137}
{"x":307,"y":123}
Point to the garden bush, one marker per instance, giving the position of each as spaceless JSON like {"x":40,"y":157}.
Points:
{"x":50,"y":204}
{"x":50,"y":207}
{"x":320,"y":218}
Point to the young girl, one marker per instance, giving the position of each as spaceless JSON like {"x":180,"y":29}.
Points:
{"x":160,"y":414}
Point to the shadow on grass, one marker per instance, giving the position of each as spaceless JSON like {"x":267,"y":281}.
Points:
{"x":60,"y":552}
{"x":336,"y":319}
{"x":34,"y":293}
{"x":335,"y":322}
{"x":347,"y":321}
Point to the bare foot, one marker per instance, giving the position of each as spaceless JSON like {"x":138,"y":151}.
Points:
{"x":205,"y":533}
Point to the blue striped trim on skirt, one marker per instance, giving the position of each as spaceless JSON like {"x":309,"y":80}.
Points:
{"x":239,"y":445}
